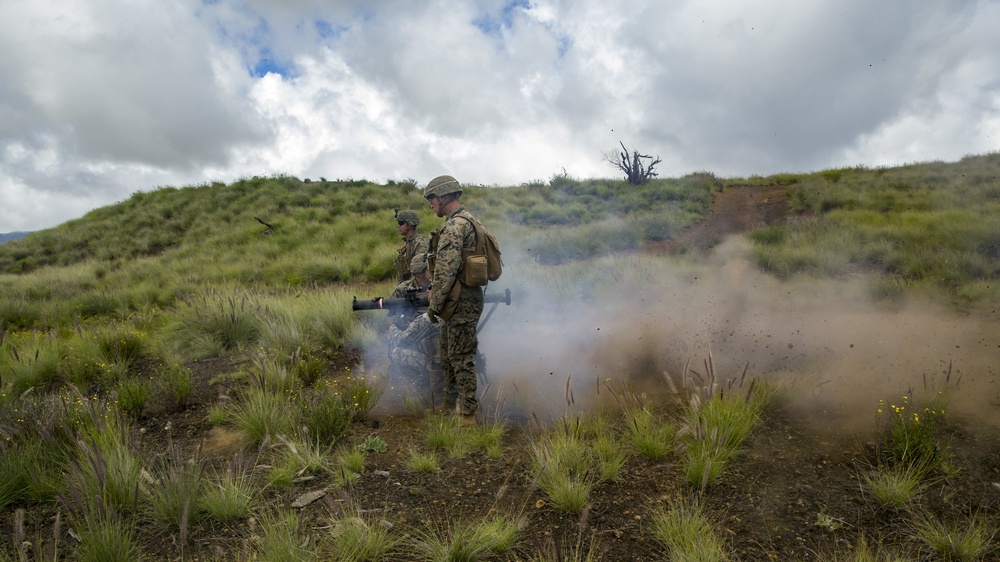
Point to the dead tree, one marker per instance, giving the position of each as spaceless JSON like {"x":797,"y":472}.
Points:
{"x":635,"y":171}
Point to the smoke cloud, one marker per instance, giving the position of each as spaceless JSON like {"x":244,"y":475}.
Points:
{"x":576,"y":331}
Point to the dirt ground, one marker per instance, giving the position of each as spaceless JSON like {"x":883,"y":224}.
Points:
{"x":767,"y":506}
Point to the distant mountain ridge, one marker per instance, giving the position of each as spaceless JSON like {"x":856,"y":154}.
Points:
{"x":8,"y":236}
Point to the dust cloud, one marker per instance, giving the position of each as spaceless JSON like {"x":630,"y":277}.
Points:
{"x":576,"y":331}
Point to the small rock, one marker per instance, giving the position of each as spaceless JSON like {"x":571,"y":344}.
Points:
{"x":308,"y":497}
{"x":381,"y":473}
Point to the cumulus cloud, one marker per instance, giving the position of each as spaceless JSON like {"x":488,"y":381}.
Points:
{"x":99,"y":100}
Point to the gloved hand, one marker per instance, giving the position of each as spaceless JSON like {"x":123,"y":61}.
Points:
{"x":431,"y":317}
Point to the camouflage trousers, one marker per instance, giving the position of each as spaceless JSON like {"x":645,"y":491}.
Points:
{"x":417,"y":371}
{"x":459,"y":343}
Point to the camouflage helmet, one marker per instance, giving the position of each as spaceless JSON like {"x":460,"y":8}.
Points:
{"x":408,"y":217}
{"x":442,"y":185}
{"x":419,"y":263}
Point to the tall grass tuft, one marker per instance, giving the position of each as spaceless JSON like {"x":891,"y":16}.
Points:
{"x":213,"y":323}
{"x":106,"y":538}
{"x":106,"y":465}
{"x":488,"y":436}
{"x":280,"y":540}
{"x":260,"y":414}
{"x":717,"y":421}
{"x":119,"y":346}
{"x":962,"y":541}
{"x":271,"y":374}
{"x":301,"y":457}
{"x":30,"y":361}
{"x":354,"y":538}
{"x":561,"y":464}
{"x":362,"y":393}
{"x":422,"y":463}
{"x":444,"y":433}
{"x":555,"y":551}
{"x":610,"y":457}
{"x":468,"y":541}
{"x":228,"y":497}
{"x":175,"y":383}
{"x":651,"y":436}
{"x":325,"y":414}
{"x":867,"y":550}
{"x":174,"y":494}
{"x":895,"y":487}
{"x":131,"y":396}
{"x":688,"y":533}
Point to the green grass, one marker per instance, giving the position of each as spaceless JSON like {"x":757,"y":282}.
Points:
{"x":174,"y":495}
{"x":610,"y":456}
{"x":260,"y":414}
{"x":965,"y":540}
{"x":717,"y":422}
{"x":106,"y":466}
{"x":214,"y":322}
{"x":688,"y":533}
{"x":444,"y":433}
{"x":352,"y":459}
{"x":106,"y":539}
{"x":175,"y":383}
{"x":305,"y":457}
{"x":145,"y":287}
{"x":561,"y":463}
{"x":281,"y":540}
{"x":468,"y":541}
{"x":909,"y":433}
{"x":867,"y":550}
{"x":132,"y":395}
{"x":895,"y":487}
{"x":928,"y":225}
{"x":558,"y":551}
{"x":422,"y":463}
{"x":228,"y":497}
{"x":325,"y":414}
{"x":488,"y":436}
{"x":651,"y":436}
{"x":360,"y":539}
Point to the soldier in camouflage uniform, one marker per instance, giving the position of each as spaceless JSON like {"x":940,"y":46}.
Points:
{"x":413,"y":243}
{"x":413,"y":339}
{"x":459,"y":306}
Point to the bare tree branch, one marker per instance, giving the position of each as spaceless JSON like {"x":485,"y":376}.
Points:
{"x":636,"y":172}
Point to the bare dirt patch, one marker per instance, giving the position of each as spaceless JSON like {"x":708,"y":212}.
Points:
{"x":734,"y":210}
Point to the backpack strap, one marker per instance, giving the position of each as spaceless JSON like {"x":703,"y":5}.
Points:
{"x":480,"y":239}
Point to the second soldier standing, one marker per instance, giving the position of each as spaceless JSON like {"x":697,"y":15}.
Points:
{"x":459,"y":306}
{"x":413,"y":243}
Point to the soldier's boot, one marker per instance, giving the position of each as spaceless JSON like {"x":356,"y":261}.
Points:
{"x":466,"y":406}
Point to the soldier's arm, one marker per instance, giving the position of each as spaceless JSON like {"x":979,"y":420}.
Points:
{"x":448,"y":260}
{"x":417,"y":331}
{"x":421,"y":246}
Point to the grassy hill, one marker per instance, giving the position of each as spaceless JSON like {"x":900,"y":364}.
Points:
{"x":922,"y":226}
{"x":134,"y":309}
{"x":154,"y":247}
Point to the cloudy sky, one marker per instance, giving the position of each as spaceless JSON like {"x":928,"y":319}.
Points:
{"x":103,"y":98}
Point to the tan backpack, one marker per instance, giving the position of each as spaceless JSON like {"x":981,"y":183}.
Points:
{"x":483,"y":264}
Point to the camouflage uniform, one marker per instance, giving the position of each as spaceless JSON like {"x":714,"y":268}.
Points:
{"x":412,"y":246}
{"x":413,"y":354}
{"x":414,"y":341}
{"x":459,"y":341}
